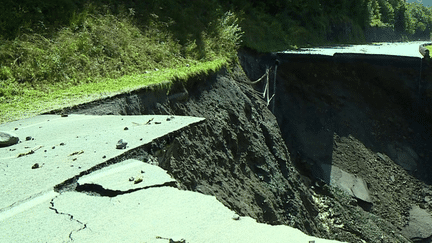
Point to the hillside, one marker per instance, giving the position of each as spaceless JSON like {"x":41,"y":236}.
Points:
{"x":55,"y":53}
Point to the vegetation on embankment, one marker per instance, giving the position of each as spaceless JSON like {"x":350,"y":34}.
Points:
{"x":49,"y":48}
{"x":69,"y":53}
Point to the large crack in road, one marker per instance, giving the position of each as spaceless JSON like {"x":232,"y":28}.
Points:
{"x":98,"y":190}
{"x":71,"y":217}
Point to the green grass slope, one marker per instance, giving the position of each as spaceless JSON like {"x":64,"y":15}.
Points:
{"x":104,"y":50}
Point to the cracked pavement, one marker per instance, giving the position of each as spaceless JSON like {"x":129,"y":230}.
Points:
{"x":84,"y":189}
{"x":73,"y":148}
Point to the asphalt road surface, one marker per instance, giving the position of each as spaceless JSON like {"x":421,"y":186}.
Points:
{"x":409,"y":49}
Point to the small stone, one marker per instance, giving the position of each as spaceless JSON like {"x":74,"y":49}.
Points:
{"x":392,"y":178}
{"x":53,"y":147}
{"x":28,"y":138}
{"x":126,"y":128}
{"x":64,"y":115}
{"x":156,"y":69}
{"x":236,"y":217}
{"x":104,"y":157}
{"x":62,"y":144}
{"x":158,"y":122}
{"x":121,"y":144}
{"x":177,"y":241}
{"x":138,"y":180}
{"x":16,"y":128}
{"x":8,"y":139}
{"x":35,"y":166}
{"x":187,"y":65}
{"x":131,"y":179}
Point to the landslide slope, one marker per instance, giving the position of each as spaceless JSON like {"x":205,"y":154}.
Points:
{"x":360,"y":118}
{"x":240,"y":156}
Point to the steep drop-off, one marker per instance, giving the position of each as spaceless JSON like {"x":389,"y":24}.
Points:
{"x":238,"y":154}
{"x":343,"y":116}
{"x":364,"y":117}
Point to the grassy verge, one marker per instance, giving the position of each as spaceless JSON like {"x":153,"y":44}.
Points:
{"x":102,"y":52}
{"x":429,"y":48}
{"x":34,"y":102}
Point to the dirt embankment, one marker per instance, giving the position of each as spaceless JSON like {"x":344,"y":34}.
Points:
{"x":273,"y":168}
{"x":363,"y":116}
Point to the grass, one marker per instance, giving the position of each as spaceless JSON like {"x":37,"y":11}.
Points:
{"x":34,"y":102}
{"x":100,"y":54}
{"x":429,"y":48}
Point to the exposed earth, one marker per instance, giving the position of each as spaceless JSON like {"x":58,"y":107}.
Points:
{"x":344,"y":156}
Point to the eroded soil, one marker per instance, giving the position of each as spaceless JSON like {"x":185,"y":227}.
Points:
{"x":269,"y":167}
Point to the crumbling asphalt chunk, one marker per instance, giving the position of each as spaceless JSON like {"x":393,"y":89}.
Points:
{"x":8,"y":139}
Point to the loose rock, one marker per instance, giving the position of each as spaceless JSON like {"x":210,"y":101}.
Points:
{"x":137,"y":180}
{"x":8,"y":139}
{"x":121,"y":144}
{"x":419,"y":226}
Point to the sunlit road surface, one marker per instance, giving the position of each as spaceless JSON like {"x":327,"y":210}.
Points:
{"x":408,"y":49}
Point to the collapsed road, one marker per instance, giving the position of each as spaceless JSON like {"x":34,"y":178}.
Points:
{"x":344,"y":156}
{"x":83,"y":178}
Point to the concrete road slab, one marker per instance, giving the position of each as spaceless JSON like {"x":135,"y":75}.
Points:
{"x":107,"y":205}
{"x":128,"y":175}
{"x":159,"y":214}
{"x":38,"y":223}
{"x":54,"y":148}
